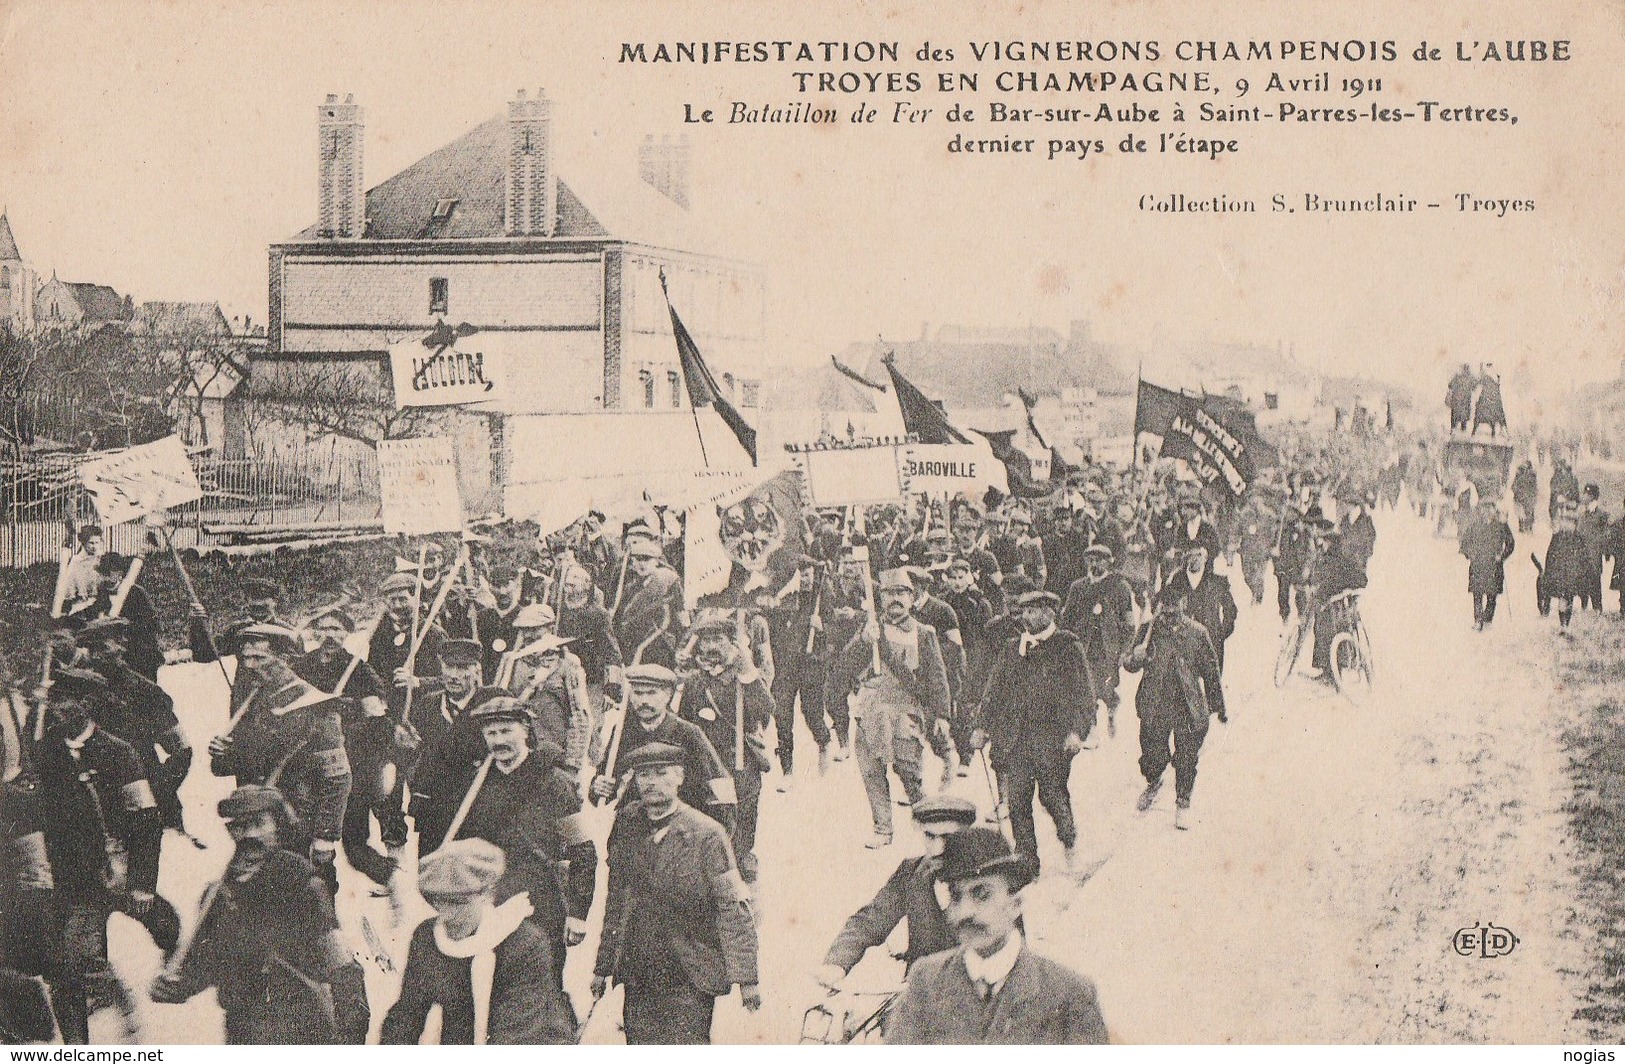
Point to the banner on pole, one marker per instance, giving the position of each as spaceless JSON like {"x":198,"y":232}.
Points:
{"x":744,"y":538}
{"x":141,"y":480}
{"x":445,"y":368}
{"x":417,"y":481}
{"x":852,"y":476}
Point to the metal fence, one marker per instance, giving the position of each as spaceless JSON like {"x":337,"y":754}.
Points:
{"x":41,"y":500}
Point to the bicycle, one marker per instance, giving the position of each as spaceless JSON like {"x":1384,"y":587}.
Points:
{"x":1353,"y":669}
{"x":851,"y":1017}
{"x":1292,"y":641}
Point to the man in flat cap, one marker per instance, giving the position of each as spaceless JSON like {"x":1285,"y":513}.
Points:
{"x":551,"y":681}
{"x":370,"y":742}
{"x":896,"y":703}
{"x":451,"y":745}
{"x":1100,"y":610}
{"x":267,"y":939}
{"x":910,"y":894}
{"x":262,"y":601}
{"x":526,"y":803}
{"x":678,"y":927}
{"x":1208,"y":597}
{"x":102,"y":834}
{"x":992,"y":989}
{"x":286,"y":734}
{"x":391,"y":643}
{"x":708,"y":785}
{"x":728,"y":699}
{"x":646,"y":621}
{"x":974,"y":612}
{"x":1036,"y":714}
{"x":486,"y":966}
{"x":1178,"y":692}
{"x":1018,"y":550}
{"x":141,"y":713}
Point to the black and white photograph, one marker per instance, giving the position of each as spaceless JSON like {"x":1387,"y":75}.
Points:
{"x":548,"y":522}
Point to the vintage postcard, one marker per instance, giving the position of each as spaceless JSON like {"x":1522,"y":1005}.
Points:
{"x":925,"y":523}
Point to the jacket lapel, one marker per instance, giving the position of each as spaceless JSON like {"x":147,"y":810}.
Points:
{"x":1019,"y":989}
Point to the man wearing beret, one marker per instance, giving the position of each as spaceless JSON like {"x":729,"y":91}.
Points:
{"x":650,"y":602}
{"x":483,"y":964}
{"x":261,"y":602}
{"x":1100,"y":610}
{"x":370,"y":741}
{"x":910,"y":894}
{"x":286,"y":734}
{"x":728,"y":699}
{"x":992,"y":989}
{"x":708,"y":785}
{"x":1178,"y":692}
{"x":102,"y":834}
{"x":141,"y":713}
{"x":678,"y":927}
{"x":526,"y":803}
{"x":1037,"y":712}
{"x":897,"y":704}
{"x":266,"y":939}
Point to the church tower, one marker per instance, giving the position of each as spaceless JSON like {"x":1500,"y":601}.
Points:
{"x":17,"y":284}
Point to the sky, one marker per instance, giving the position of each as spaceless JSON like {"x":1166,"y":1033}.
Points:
{"x":160,"y":147}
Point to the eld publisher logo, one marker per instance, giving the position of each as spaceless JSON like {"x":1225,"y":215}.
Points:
{"x":1486,"y":940}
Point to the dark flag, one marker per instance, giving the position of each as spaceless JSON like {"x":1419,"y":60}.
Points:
{"x":702,"y":387}
{"x":1059,"y":468}
{"x":1018,"y":468}
{"x":1215,"y":434}
{"x":922,"y":418}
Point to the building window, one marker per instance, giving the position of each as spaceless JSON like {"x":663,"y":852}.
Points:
{"x":439,"y":295}
{"x":676,"y":388}
{"x":750,"y":394}
{"x":647,"y":379}
{"x":5,"y":277}
{"x":443,"y":209}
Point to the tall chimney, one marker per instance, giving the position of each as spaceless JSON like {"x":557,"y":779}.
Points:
{"x":343,"y":197}
{"x":531,"y":200}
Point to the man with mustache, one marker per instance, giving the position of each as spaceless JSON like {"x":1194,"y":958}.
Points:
{"x":992,"y":989}
{"x":708,"y":786}
{"x":267,"y":938}
{"x":1100,"y":610}
{"x":896,"y":703}
{"x":451,"y":744}
{"x":287,"y":735}
{"x":102,"y":835}
{"x":722,"y":684}
{"x":678,"y":927}
{"x":1179,"y":691}
{"x":910,"y":894}
{"x":370,"y":740}
{"x":525,"y":802}
{"x":1038,"y":710}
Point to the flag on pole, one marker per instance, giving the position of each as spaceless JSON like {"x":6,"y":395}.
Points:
{"x":702,"y":386}
{"x":1018,"y":467}
{"x":1215,"y":434}
{"x":922,"y":418}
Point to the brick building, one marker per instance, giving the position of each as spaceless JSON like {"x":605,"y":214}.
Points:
{"x":554,"y":257}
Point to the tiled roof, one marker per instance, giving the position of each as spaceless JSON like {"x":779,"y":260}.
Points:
{"x":165,"y":318}
{"x":99,"y":302}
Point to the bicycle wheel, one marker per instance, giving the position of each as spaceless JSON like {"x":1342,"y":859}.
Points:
{"x":1291,"y":646}
{"x":1349,"y":675}
{"x":1368,"y":661}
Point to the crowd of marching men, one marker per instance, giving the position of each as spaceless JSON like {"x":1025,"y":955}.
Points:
{"x":493,"y":700}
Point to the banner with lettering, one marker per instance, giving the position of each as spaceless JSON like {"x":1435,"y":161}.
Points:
{"x":1228,"y":455}
{"x":417,"y":480}
{"x":951,"y":469}
{"x":141,"y":480}
{"x":450,"y":366}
